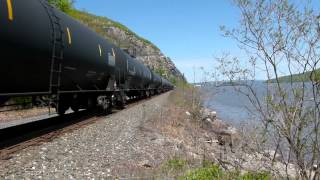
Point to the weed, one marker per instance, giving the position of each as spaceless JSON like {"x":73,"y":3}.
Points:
{"x":176,"y":164}
{"x":213,"y":172}
{"x":255,"y":176}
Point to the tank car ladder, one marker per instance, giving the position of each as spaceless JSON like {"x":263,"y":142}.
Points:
{"x":57,"y":53}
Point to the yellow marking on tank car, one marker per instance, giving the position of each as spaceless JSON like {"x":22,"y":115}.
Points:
{"x":100,"y":50}
{"x":69,"y":36}
{"x":10,"y":11}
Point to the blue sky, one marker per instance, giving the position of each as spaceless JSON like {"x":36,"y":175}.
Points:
{"x":186,"y":31}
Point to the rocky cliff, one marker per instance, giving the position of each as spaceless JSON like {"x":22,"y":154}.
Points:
{"x":142,"y":49}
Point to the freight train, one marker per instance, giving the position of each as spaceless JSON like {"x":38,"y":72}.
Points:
{"x":46,"y":53}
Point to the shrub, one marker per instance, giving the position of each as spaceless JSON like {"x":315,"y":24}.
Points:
{"x":207,"y":173}
{"x":22,"y":100}
{"x":64,"y":5}
{"x":255,"y":176}
{"x":215,"y":172}
{"x":176,"y":164}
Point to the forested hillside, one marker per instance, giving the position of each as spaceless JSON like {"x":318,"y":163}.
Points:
{"x":308,"y":76}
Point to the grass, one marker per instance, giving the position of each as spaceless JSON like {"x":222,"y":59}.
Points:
{"x":255,"y":176}
{"x":182,"y":97}
{"x":212,"y":172}
{"x":215,"y":172}
{"x":176,"y":164}
{"x":184,"y":170}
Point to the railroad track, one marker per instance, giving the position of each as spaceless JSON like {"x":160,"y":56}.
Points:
{"x":17,"y":138}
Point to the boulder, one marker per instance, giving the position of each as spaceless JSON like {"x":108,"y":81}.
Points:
{"x":228,"y":136}
{"x":207,"y":114}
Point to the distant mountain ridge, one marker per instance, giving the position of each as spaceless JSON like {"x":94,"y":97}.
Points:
{"x":300,"y":77}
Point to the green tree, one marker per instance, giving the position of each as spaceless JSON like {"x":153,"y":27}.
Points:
{"x":64,"y":5}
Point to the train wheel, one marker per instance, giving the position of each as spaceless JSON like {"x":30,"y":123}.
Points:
{"x":105,"y":104}
{"x":61,"y":109}
{"x":141,"y":95}
{"x":109,"y":109}
{"x":91,"y":103}
{"x":75,"y":103}
{"x":120,"y":100}
{"x":75,"y":108}
{"x":147,"y":94}
{"x":63,"y":104}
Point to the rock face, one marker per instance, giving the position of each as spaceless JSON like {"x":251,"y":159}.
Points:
{"x":142,"y":49}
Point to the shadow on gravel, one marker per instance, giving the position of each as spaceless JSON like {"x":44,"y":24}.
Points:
{"x":18,"y":134}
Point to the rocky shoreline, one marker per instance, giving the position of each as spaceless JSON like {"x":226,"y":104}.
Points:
{"x":235,"y":153}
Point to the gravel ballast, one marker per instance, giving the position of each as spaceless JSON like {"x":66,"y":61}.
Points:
{"x":110,"y":148}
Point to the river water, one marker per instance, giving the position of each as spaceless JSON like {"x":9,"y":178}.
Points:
{"x":233,"y":106}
